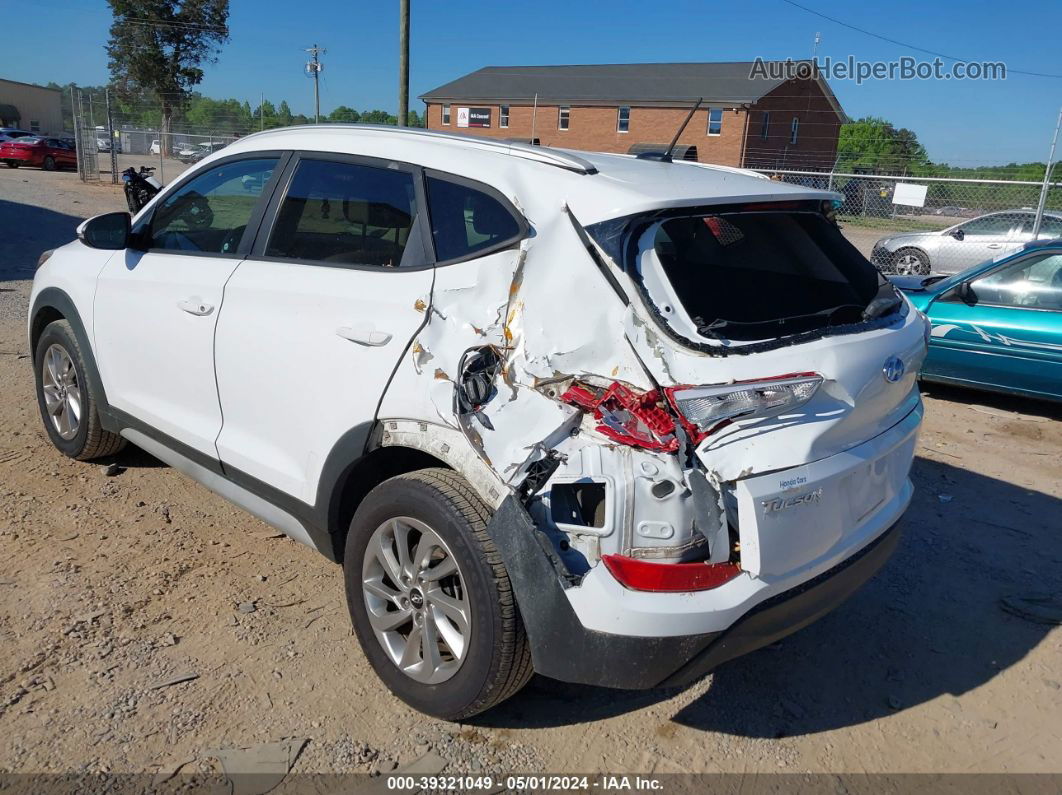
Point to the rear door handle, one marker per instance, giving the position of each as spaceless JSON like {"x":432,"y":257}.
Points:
{"x":364,"y":336}
{"x":995,"y":245}
{"x":195,"y":306}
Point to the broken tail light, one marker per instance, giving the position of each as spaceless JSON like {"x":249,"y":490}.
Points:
{"x":705,"y":408}
{"x":640,"y":575}
{"x":634,"y":418}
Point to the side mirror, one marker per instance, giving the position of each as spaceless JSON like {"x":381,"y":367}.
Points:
{"x":109,"y":231}
{"x":958,"y":234}
{"x":966,"y":294}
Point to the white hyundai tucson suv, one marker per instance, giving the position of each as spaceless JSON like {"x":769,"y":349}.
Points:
{"x":615,"y":420}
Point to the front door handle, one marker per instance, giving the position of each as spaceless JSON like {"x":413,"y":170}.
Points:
{"x":364,"y":336}
{"x":995,"y":245}
{"x":195,"y":306}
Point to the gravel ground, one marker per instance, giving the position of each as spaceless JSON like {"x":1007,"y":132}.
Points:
{"x":112,"y":587}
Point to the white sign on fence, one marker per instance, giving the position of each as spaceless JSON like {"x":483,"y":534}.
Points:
{"x":911,"y":195}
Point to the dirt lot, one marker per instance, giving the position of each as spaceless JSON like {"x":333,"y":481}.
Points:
{"x":110,"y":586}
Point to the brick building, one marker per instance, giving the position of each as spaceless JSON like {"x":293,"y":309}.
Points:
{"x":630,"y":108}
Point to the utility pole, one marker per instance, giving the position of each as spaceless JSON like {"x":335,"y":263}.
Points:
{"x":403,"y":63}
{"x":313,"y":69}
{"x":815,"y":46}
{"x":534,"y":114}
{"x":1047,"y":181}
{"x":261,"y":113}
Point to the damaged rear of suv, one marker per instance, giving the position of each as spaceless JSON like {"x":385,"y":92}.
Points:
{"x":616,"y":421}
{"x":693,"y":410}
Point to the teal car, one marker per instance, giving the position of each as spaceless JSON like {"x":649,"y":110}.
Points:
{"x":997,"y":325}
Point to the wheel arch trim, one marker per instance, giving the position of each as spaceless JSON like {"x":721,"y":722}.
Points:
{"x":58,"y":300}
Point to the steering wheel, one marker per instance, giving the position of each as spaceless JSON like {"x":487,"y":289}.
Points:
{"x":196,"y":211}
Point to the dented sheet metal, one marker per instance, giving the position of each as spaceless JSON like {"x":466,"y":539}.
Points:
{"x":548,"y":315}
{"x":534,"y":359}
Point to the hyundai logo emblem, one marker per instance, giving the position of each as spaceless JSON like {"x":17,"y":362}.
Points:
{"x":893,"y":369}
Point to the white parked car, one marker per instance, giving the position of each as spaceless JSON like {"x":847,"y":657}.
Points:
{"x":608,"y":419}
{"x":156,"y":147}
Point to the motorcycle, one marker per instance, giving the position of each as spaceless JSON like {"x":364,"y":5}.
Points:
{"x":140,"y":187}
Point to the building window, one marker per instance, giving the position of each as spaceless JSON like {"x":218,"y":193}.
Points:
{"x":563,"y":117}
{"x":503,"y":116}
{"x":765,"y":127}
{"x":715,"y":121}
{"x":35,"y":126}
{"x":446,"y":114}
{"x":793,"y":130}
{"x":623,"y":121}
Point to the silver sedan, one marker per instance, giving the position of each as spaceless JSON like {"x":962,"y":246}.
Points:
{"x":962,"y":245}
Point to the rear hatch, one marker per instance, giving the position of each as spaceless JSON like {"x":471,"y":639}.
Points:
{"x":777,"y":345}
{"x":746,"y":293}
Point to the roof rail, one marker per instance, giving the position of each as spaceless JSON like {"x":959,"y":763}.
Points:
{"x":550,"y":157}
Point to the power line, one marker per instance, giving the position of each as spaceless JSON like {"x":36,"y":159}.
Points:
{"x":866,"y":32}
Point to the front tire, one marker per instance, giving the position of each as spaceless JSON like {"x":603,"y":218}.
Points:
{"x":911,"y":262}
{"x":430,"y":599}
{"x":66,"y":400}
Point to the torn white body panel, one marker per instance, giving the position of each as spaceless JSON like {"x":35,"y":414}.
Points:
{"x":534,"y":321}
{"x":854,"y":403}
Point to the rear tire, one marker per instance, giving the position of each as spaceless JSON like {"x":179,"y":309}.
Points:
{"x":49,"y":163}
{"x":11,"y":164}
{"x":67,"y":403}
{"x":490,"y":660}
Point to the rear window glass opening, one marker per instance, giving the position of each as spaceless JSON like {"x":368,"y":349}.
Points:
{"x":754,"y":275}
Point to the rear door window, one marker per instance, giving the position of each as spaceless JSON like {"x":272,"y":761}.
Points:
{"x":347,"y":214}
{"x":467,"y":221}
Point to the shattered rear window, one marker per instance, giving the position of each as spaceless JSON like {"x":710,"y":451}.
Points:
{"x":751,"y":275}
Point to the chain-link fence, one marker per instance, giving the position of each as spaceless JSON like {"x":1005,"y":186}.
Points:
{"x":921,"y":225}
{"x":110,"y":148}
{"x":168,"y":154}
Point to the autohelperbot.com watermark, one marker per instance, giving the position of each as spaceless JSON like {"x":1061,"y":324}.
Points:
{"x":852,"y":68}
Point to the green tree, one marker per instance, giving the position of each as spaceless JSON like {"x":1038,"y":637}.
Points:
{"x":873,"y":145}
{"x":378,"y":117}
{"x":343,"y":113}
{"x":416,"y":120}
{"x":284,"y":115}
{"x":158,"y":46}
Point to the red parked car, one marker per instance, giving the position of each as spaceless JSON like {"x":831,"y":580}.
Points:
{"x":47,"y":153}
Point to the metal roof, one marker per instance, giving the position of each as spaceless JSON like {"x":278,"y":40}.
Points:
{"x":567,"y":160}
{"x":615,"y":84}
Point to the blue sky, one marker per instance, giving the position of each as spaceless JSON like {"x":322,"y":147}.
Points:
{"x":964,"y":123}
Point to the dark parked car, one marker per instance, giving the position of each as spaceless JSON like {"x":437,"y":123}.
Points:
{"x":32,"y":150}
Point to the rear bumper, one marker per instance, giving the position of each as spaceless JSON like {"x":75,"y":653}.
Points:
{"x":562,"y":648}
{"x":22,"y":158}
{"x":789,"y":611}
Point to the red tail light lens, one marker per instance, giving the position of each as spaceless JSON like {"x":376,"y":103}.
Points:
{"x":634,"y":418}
{"x":640,"y":575}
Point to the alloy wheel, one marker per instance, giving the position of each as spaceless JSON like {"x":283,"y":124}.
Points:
{"x":909,"y":265}
{"x":416,"y":600}
{"x":62,"y":392}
